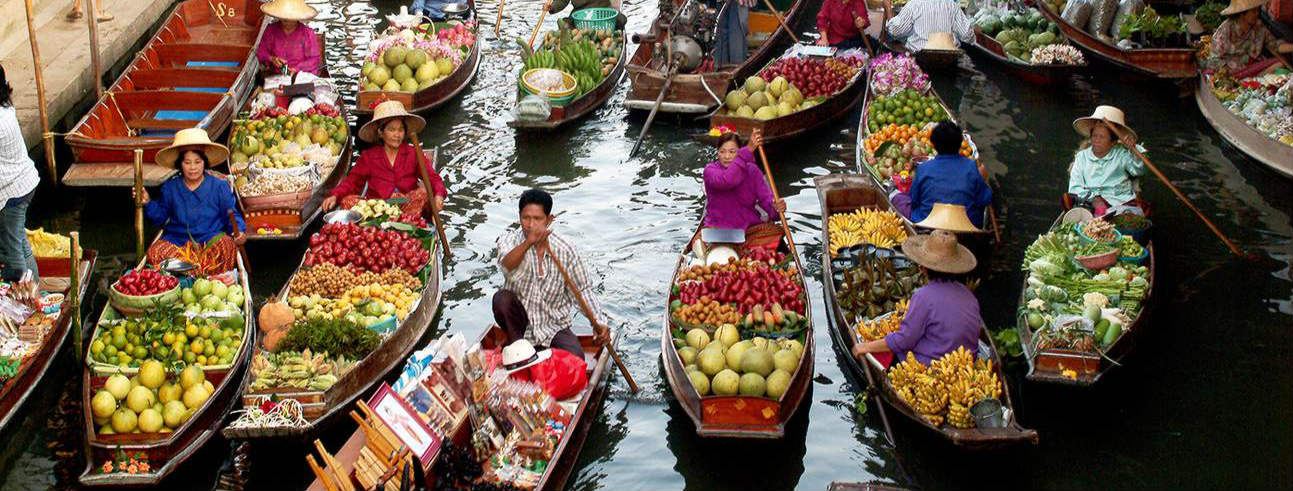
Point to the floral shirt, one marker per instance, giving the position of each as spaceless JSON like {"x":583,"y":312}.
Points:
{"x":1233,"y":49}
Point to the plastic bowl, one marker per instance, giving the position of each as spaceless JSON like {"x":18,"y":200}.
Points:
{"x":1099,"y":261}
{"x":1085,"y":239}
{"x":568,"y":80}
{"x":342,"y":216}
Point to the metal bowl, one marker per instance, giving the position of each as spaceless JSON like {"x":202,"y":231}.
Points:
{"x":342,"y":216}
{"x":176,"y":266}
{"x":455,"y":8}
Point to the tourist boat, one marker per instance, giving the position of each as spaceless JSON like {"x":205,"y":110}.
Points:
{"x":196,"y":72}
{"x":839,"y":193}
{"x":426,"y":100}
{"x":162,"y":452}
{"x":1040,"y":74}
{"x":566,"y":453}
{"x":31,"y":370}
{"x":698,"y":92}
{"x":287,"y":216}
{"x":1048,"y":365}
{"x":581,"y":106}
{"x":322,"y":408}
{"x":1256,"y":144}
{"x":1157,"y":63}
{"x":736,"y":416}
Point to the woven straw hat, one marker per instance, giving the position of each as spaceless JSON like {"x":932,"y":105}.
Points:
{"x":939,"y":251}
{"x":949,"y":217}
{"x":289,"y":10}
{"x":1103,"y":113}
{"x":388,"y":110}
{"x":1237,"y":6}
{"x":192,"y":139}
{"x":942,"y":41}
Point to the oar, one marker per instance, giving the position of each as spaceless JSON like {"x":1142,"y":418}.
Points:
{"x":1233,"y":248}
{"x":659,"y":99}
{"x":242,"y":248}
{"x":879,"y":403}
{"x":542,"y":14}
{"x":426,"y":186}
{"x":40,"y":96}
{"x":777,"y":197}
{"x":776,"y":13}
{"x":139,"y":203}
{"x":499,"y":22}
{"x":592,"y":318}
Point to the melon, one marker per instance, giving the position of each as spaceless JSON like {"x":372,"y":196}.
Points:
{"x":757,"y":360}
{"x":711,"y":361}
{"x":745,"y":112}
{"x":755,"y":84}
{"x":700,"y":382}
{"x":735,"y":99}
{"x":777,"y":383}
{"x":394,"y":55}
{"x":725,"y":383}
{"x":753,"y":385}
{"x":697,"y":338}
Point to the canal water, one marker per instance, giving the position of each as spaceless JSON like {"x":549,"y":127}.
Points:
{"x":1206,"y":400}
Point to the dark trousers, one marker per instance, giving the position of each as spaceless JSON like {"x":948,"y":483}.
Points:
{"x":510,"y":315}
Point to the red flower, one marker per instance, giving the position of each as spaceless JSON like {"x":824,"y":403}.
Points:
{"x":143,"y":467}
{"x":132,"y":469}
{"x":268,"y":406}
{"x":107,"y":467}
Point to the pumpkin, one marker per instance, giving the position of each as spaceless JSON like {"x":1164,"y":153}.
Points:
{"x":274,"y":320}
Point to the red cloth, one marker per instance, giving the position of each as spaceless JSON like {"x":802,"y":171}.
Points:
{"x":417,"y":199}
{"x":384,"y":179}
{"x":563,"y":375}
{"x":835,"y":19}
{"x":300,"y":49}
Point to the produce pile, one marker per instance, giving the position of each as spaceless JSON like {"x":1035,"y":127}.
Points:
{"x":945,"y":390}
{"x":296,"y":369}
{"x":864,"y":226}
{"x":1264,"y":102}
{"x":906,"y":107}
{"x":891,"y":74}
{"x":763,"y":100}
{"x":875,"y":286}
{"x":153,"y":401}
{"x":364,"y":248}
{"x":734,"y":291}
{"x":878,"y":328}
{"x":201,"y":325}
{"x":274,"y":152}
{"x":410,"y":60}
{"x":730,"y":364}
{"x":45,"y":244}
{"x":1069,"y":306}
{"x":816,"y":76}
{"x":587,"y":55}
{"x":1026,"y":37}
{"x":897,"y":148}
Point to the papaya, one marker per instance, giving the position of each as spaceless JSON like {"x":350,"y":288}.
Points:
{"x":758,"y":312}
{"x":777,"y":316}
{"x":767,"y":319}
{"x":1111,"y":334}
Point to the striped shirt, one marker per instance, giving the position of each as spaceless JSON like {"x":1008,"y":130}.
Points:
{"x":18,"y":174}
{"x":919,"y":18}
{"x":547,"y":301}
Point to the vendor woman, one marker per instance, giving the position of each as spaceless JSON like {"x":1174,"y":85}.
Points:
{"x":389,"y":170}
{"x":193,"y":207}
{"x":1238,"y":43}
{"x":1104,"y":169}
{"x":289,"y":46}
{"x":942,"y":315}
{"x":737,"y":193}
{"x":842,"y":24}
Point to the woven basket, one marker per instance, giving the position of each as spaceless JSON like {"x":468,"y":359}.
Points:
{"x":595,"y":19}
{"x":293,"y":201}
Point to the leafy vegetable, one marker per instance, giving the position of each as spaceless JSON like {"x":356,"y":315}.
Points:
{"x":338,"y":337}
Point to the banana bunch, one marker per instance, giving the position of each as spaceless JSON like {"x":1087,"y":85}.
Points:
{"x":302,"y":370}
{"x":871,"y":330}
{"x":45,"y":244}
{"x":945,"y":390}
{"x":865,"y":226}
{"x":544,"y":58}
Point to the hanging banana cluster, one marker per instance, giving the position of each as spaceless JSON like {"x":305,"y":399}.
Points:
{"x":947,"y":388}
{"x":865,"y":226}
{"x":873,"y":329}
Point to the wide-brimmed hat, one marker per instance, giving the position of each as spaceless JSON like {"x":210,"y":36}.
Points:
{"x":1237,"y":6}
{"x":521,"y":355}
{"x":939,"y":251}
{"x":289,"y":10}
{"x":1103,"y":113}
{"x":192,"y":139}
{"x":949,"y":217}
{"x":942,"y":41}
{"x":388,"y":110}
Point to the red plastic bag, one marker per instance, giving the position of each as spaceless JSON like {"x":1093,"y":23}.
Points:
{"x":562,"y":375}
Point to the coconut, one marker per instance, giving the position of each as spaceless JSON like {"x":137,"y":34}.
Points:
{"x":757,"y":360}
{"x":785,"y":360}
{"x":688,"y":355}
{"x":394,"y":56}
{"x":755,"y":84}
{"x":745,"y":112}
{"x":756,"y":100}
{"x":753,"y":385}
{"x":765,"y":113}
{"x":378,"y":77}
{"x":697,"y":338}
{"x":777,"y":383}
{"x":725,"y":383}
{"x":415,"y":58}
{"x":778,"y":86}
{"x":728,"y":334}
{"x":711,"y":361}
{"x":700,"y":382}
{"x":735,"y":99}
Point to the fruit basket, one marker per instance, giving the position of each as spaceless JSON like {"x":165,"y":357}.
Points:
{"x":294,"y":201}
{"x":1082,"y":235}
{"x":595,"y":19}
{"x":529,"y":79}
{"x":123,"y":296}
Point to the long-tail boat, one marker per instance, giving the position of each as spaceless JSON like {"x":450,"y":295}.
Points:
{"x":1256,"y":144}
{"x":1156,"y":63}
{"x":428,"y":99}
{"x":581,"y":106}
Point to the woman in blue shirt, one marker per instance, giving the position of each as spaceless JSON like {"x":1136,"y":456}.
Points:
{"x":946,"y":178}
{"x":193,"y":207}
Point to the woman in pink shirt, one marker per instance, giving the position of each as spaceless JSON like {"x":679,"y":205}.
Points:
{"x":289,"y":46}
{"x":389,"y":170}
{"x":843,"y":23}
{"x":734,"y":186}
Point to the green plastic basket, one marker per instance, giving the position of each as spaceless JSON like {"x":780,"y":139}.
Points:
{"x":595,"y":18}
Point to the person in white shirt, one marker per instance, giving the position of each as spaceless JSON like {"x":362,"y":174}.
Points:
{"x":920,"y":18}
{"x":18,"y":180}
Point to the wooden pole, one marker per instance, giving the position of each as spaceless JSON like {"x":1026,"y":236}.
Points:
{"x":73,"y":299}
{"x":242,"y":248}
{"x":782,"y":21}
{"x":40,"y":94}
{"x":592,"y":318}
{"x":499,"y":22}
{"x":1231,"y":245}
{"x":426,"y":185}
{"x":542,"y":15}
{"x":659,"y":99}
{"x":139,"y":204}
{"x":777,"y":197}
{"x":92,"y":18}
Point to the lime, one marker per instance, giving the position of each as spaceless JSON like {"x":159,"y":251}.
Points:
{"x":191,"y":330}
{"x":168,"y":338}
{"x":119,"y":330}
{"x":118,"y":340}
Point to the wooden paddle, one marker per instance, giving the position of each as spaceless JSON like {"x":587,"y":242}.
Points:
{"x":1233,"y":248}
{"x":139,"y":203}
{"x":73,"y":298}
{"x":542,"y":15}
{"x":659,"y":99}
{"x":242,"y":248}
{"x":499,"y":22}
{"x":592,"y":318}
{"x":426,"y":186}
{"x":767,"y":171}
{"x":780,"y":20}
{"x":40,"y":95}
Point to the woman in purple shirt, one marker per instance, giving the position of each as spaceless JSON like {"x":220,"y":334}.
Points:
{"x":734,"y":186}
{"x":289,"y":46}
{"x":943,"y":314}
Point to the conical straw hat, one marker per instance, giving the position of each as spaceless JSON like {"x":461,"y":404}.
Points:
{"x":1103,"y":113}
{"x":939,"y":251}
{"x":388,"y":110}
{"x":941,"y":41}
{"x":192,"y":139}
{"x":289,"y":10}
{"x":952,"y":218}
{"x":1237,"y":6}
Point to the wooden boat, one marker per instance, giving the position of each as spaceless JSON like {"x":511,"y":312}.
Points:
{"x":291,"y":214}
{"x":322,"y":408}
{"x":797,"y":123}
{"x":1048,"y":365}
{"x":15,"y":391}
{"x":195,"y":72}
{"x":845,"y":193}
{"x":1256,"y":144}
{"x":430,"y":98}
{"x":1048,"y":74}
{"x":582,"y":106}
{"x":736,"y":416}
{"x":165,"y":452}
{"x":566,"y":454}
{"x":699,"y":92}
{"x":1158,"y":63}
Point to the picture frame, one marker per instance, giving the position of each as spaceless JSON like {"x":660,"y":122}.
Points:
{"x":398,"y":416}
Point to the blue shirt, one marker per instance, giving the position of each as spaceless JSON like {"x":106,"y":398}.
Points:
{"x":950,"y":179}
{"x":197,"y":215}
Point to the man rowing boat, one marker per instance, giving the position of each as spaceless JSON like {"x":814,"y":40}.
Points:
{"x":535,"y":303}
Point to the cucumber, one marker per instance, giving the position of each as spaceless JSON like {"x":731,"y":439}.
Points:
{"x":1111,"y":335}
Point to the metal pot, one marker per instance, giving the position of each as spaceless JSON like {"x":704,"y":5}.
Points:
{"x":455,"y":10}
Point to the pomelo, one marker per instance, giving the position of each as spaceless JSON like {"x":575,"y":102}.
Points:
{"x":117,"y":385}
{"x":725,"y":383}
{"x":755,"y":84}
{"x":688,"y":355}
{"x":444,"y":66}
{"x":711,"y":361}
{"x":745,"y":112}
{"x":778,"y":86}
{"x":409,"y":85}
{"x":394,"y":55}
{"x":152,"y":374}
{"x":174,"y":414}
{"x":735,"y":353}
{"x":190,"y":376}
{"x":124,"y":420}
{"x":379,"y":76}
{"x":426,"y":73}
{"x":150,"y":421}
{"x":103,"y":404}
{"x":140,"y":398}
{"x":752,"y":384}
{"x":391,"y":86}
{"x":785,"y":107}
{"x":194,"y":396}
{"x":777,"y":383}
{"x":201,"y":287}
{"x":728,"y":334}
{"x":415,"y":58}
{"x":402,"y":73}
{"x":700,"y":382}
{"x":735,"y":99}
{"x":220,"y":290}
{"x":756,"y":101}
{"x":757,"y":360}
{"x":785,"y":360}
{"x":697,"y":338}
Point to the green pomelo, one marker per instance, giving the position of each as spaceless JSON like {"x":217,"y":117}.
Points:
{"x":735,"y":353}
{"x":753,"y":385}
{"x":697,"y":338}
{"x":785,"y":360}
{"x":700,"y":382}
{"x":415,"y":58}
{"x":778,"y":382}
{"x":757,"y":360}
{"x":124,"y":421}
{"x":725,"y":383}
{"x":394,"y":55}
{"x":688,"y":355}
{"x":735,"y":99}
{"x":755,"y":84}
{"x":379,"y":76}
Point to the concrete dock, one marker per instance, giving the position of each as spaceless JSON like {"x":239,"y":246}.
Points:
{"x":65,"y":53}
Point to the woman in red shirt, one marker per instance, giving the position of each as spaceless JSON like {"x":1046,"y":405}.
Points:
{"x":390,"y":169}
{"x":842,"y":24}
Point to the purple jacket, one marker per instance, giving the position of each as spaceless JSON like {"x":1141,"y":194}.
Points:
{"x":941,"y":316}
{"x":733,"y":191}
